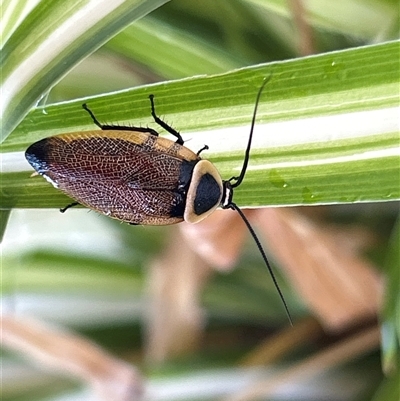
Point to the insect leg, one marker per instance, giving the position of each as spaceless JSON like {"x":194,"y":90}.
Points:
{"x":205,"y":147}
{"x":105,"y":127}
{"x":163,"y":124}
{"x":95,"y":120}
{"x":62,"y":210}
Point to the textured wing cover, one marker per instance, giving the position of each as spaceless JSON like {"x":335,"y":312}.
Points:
{"x":129,"y":176}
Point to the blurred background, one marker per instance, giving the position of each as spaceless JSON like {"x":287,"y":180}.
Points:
{"x":190,"y":312}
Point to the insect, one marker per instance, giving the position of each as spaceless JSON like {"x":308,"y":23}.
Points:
{"x":133,"y":175}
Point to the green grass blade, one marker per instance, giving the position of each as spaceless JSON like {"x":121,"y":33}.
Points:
{"x":358,"y":19}
{"x":327,"y":129}
{"x":174,"y":53}
{"x":52,"y":39}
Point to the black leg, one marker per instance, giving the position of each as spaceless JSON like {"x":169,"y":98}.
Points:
{"x":62,"y":210}
{"x":110,"y":127}
{"x":205,"y":147}
{"x":95,"y":120}
{"x":163,"y":124}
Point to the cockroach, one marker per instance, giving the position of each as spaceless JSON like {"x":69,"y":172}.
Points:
{"x":133,"y":175}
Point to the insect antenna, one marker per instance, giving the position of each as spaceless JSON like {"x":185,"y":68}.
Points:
{"x":235,"y":182}
{"x":264,"y":256}
{"x":238,"y":180}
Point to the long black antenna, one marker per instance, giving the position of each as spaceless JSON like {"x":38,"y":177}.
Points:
{"x":260,"y":248}
{"x":228,"y":204}
{"x":247,"y":154}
